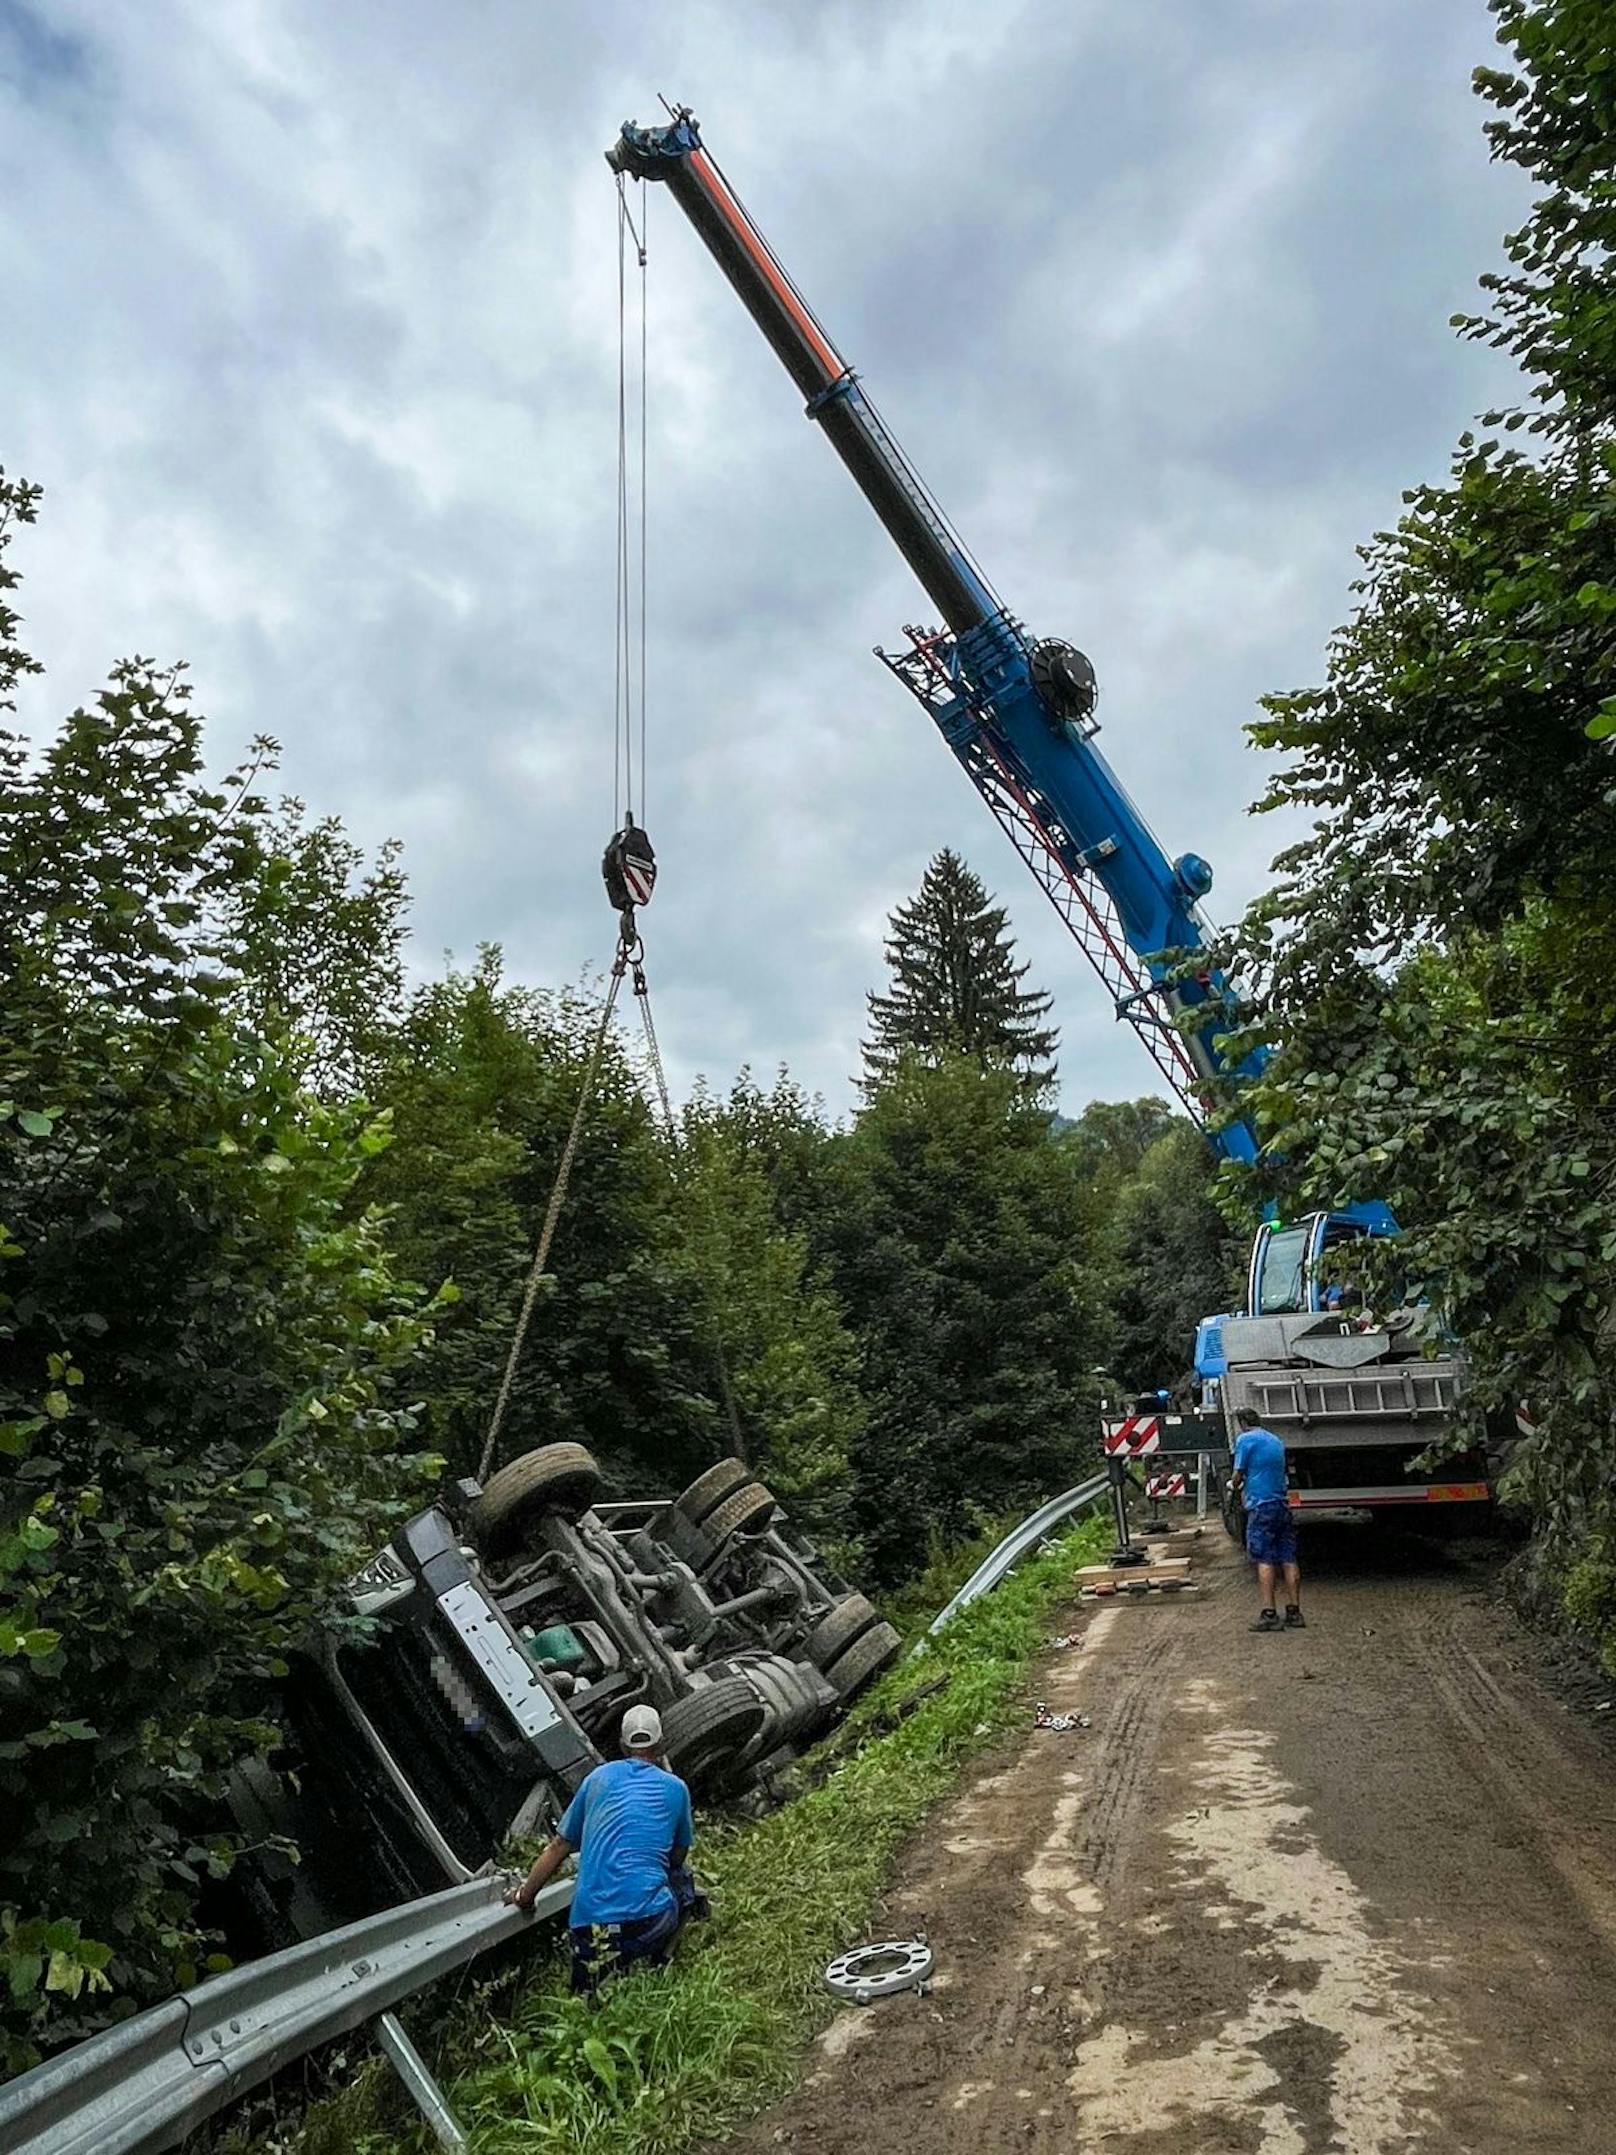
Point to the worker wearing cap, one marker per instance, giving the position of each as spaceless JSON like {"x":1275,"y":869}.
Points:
{"x":630,"y":1824}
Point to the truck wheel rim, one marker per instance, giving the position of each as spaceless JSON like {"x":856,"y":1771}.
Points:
{"x":876,"y":1971}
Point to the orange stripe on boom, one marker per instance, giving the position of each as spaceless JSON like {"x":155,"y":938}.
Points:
{"x":733,"y":215}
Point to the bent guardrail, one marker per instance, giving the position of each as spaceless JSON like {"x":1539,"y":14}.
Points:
{"x":147,"y":2083}
{"x":1019,"y":1543}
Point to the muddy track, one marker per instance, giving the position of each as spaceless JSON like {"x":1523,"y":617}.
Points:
{"x":1350,"y":1891}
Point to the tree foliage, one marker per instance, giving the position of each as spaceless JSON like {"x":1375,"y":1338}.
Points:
{"x":198,"y":1340}
{"x":956,"y":988}
{"x":1436,"y":960}
{"x":960,"y":1247}
{"x":678,"y":1318}
{"x":788,"y":1355}
{"x":1166,"y":1256}
{"x":480,"y":1081}
{"x":318,"y":934}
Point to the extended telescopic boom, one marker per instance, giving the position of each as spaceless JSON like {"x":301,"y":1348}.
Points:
{"x":1017,"y":713}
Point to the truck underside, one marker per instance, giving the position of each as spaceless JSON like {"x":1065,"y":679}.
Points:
{"x":496,"y":1653}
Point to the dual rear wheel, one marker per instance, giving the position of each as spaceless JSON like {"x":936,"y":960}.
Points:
{"x":851,"y":1646}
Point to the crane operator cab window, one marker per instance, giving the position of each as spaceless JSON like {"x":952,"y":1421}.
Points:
{"x":1279,"y":1270}
{"x":1333,"y":1288}
{"x":1291,"y":1268}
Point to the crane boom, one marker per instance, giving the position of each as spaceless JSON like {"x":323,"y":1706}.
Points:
{"x":1017,"y":713}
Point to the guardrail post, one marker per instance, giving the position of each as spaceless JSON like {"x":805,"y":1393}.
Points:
{"x":411,"y":2068}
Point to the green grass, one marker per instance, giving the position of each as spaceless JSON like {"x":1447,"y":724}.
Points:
{"x":677,"y":2056}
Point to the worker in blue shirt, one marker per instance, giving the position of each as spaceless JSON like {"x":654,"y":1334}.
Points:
{"x":630,"y":1824}
{"x":1260,"y":1480}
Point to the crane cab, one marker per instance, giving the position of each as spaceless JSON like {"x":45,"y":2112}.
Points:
{"x":1290,"y":1259}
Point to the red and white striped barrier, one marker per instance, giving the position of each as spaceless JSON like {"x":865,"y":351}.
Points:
{"x":1133,"y":1438}
{"x":1166,"y":1485}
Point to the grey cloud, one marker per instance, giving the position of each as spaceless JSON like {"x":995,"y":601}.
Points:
{"x":312,"y":339}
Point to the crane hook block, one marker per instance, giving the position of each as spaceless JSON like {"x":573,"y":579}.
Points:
{"x":628,"y":869}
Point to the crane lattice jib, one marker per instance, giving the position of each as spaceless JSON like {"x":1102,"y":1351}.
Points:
{"x":1017,"y":714}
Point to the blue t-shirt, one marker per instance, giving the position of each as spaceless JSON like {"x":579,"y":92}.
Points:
{"x":627,"y":1821}
{"x":1260,"y":1457}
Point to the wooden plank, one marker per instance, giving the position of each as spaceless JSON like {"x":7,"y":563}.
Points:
{"x":1161,"y":1565}
{"x":1144,"y":1590}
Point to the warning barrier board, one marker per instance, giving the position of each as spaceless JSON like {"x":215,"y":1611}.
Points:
{"x":1166,"y":1485}
{"x":1134,"y":1437}
{"x":1147,"y":1430}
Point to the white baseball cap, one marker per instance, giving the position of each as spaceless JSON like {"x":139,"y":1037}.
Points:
{"x":641,"y":1729}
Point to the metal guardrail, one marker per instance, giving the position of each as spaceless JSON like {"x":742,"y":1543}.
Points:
{"x":147,"y":2083}
{"x":1021,"y":1542}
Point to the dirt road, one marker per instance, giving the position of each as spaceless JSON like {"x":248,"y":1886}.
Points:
{"x":1351,"y":1889}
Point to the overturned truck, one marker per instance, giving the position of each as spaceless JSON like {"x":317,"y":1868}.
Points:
{"x":494,"y":1647}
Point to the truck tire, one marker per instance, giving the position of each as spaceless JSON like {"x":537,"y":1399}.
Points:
{"x":863,"y":1662}
{"x":560,"y":1478}
{"x":791,"y":1694}
{"x":707,"y":1730}
{"x":709,"y":1490}
{"x":746,"y":1510}
{"x":835,"y":1632}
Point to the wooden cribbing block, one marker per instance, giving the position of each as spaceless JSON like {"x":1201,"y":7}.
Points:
{"x":1156,"y":1587}
{"x":1162,"y":1566}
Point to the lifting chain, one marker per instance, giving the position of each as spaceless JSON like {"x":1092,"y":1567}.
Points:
{"x":552,"y":1214}
{"x":642,"y":995}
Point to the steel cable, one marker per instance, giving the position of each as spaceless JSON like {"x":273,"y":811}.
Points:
{"x":551,"y":1218}
{"x":726,"y":1389}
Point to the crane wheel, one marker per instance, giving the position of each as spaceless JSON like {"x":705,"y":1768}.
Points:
{"x":1234,"y":1514}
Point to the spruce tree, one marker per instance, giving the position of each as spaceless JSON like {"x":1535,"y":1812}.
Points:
{"x":956,"y":988}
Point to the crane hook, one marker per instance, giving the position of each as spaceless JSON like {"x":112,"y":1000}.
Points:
{"x":628,"y":869}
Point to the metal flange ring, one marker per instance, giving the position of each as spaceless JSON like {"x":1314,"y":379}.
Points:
{"x":876,"y":1971}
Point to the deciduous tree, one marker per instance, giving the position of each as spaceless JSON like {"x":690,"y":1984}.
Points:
{"x":1436,"y":961}
{"x":199,"y":1341}
{"x":960,"y":1251}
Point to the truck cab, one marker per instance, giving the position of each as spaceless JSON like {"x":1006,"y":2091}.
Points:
{"x":424,"y":1737}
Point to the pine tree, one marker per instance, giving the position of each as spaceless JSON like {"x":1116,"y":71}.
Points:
{"x":956,"y":987}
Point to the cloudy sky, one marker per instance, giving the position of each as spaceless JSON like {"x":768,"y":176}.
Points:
{"x":309,"y":329}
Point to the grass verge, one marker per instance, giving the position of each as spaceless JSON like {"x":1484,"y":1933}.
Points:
{"x":678,"y":2056}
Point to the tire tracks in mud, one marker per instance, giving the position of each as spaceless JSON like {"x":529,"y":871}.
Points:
{"x":1121,"y":1772}
{"x":1351,"y":1891}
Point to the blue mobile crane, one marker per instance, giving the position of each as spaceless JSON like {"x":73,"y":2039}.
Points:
{"x":1018,"y":714}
